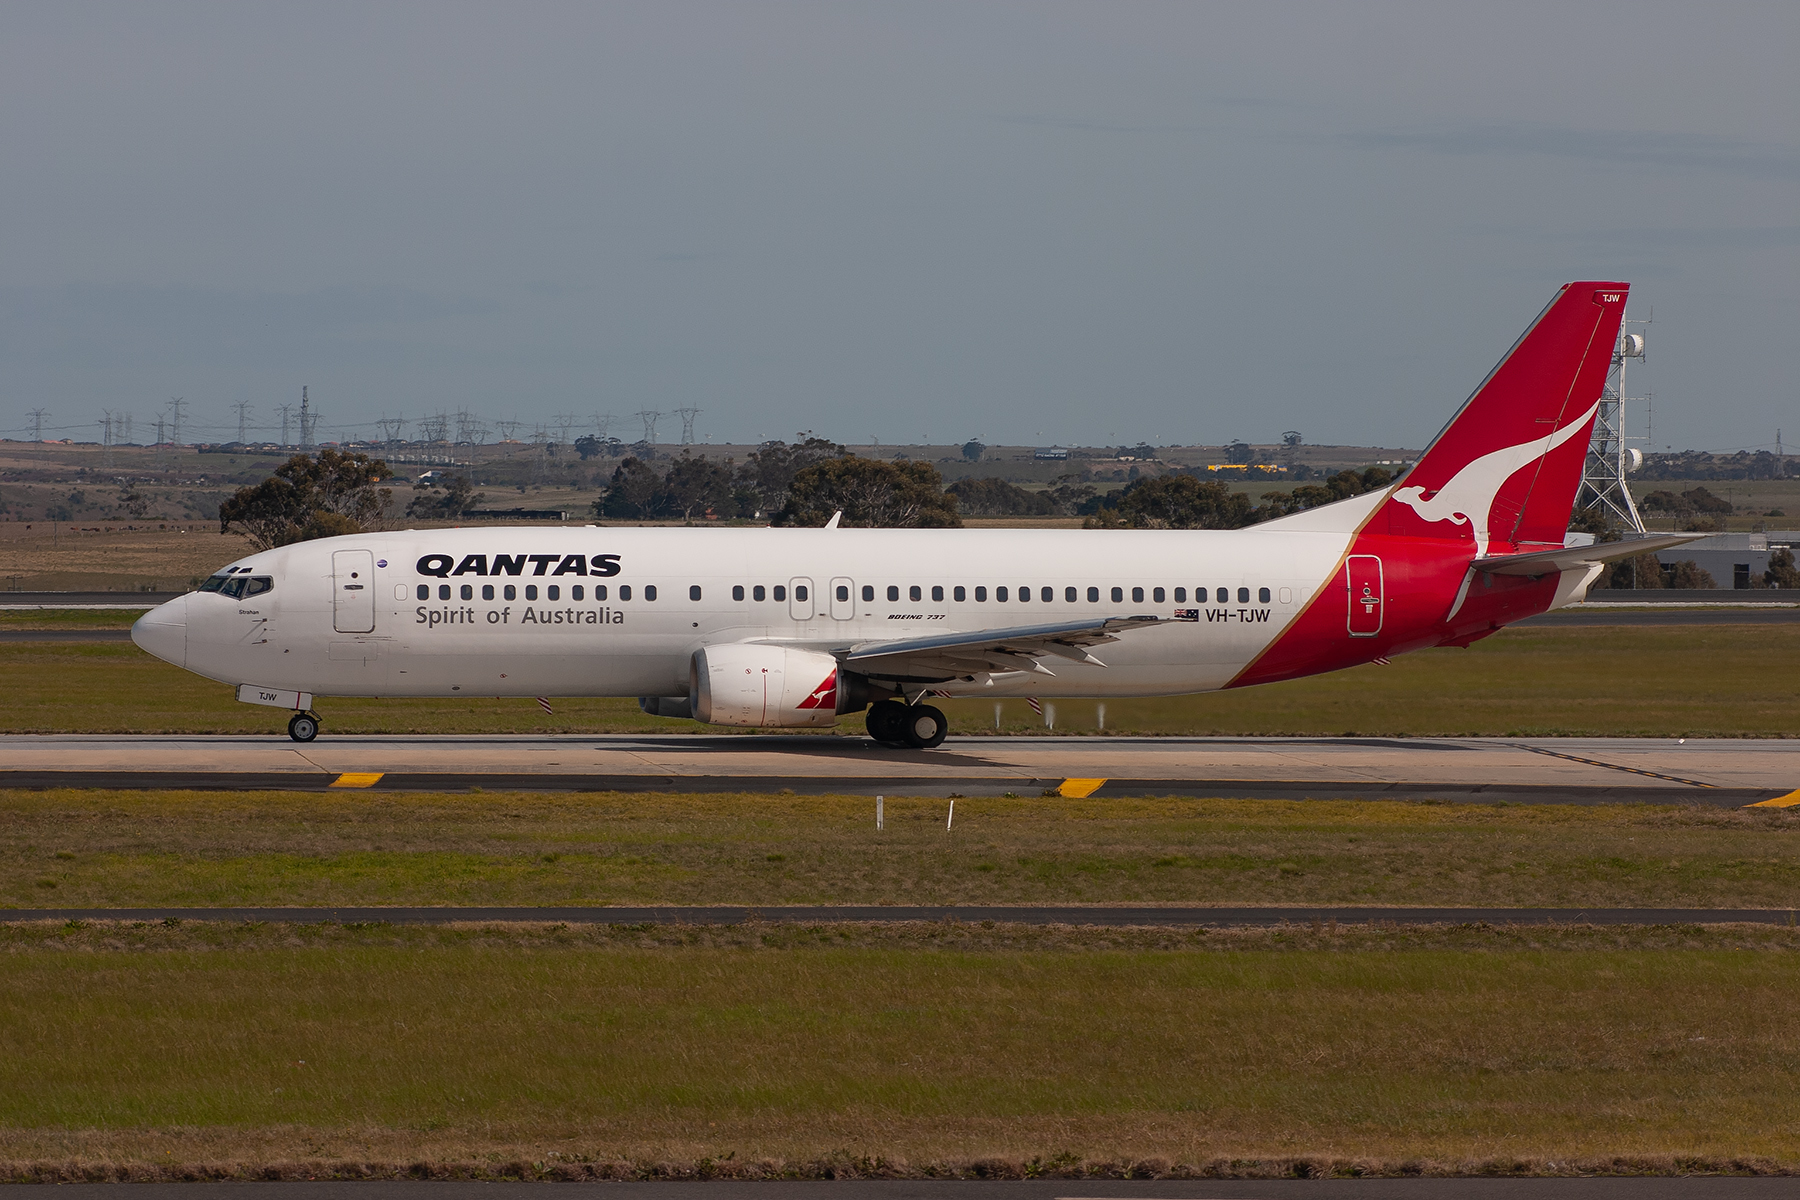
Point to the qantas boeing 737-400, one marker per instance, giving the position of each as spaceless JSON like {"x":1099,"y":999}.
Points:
{"x":796,"y":627}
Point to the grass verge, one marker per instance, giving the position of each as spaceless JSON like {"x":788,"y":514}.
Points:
{"x":893,"y":1050}
{"x":1696,"y":681}
{"x":79,"y":849}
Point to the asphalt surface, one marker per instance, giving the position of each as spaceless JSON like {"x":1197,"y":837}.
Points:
{"x":1611,"y":1188}
{"x":1721,"y":772}
{"x":1110,"y":916}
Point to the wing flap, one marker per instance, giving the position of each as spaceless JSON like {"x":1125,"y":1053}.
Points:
{"x":992,"y":651}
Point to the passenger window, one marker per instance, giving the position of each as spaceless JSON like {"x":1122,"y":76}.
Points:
{"x":531,"y":591}
{"x":487,"y":591}
{"x":444,"y":591}
{"x":1118,"y":595}
{"x":512,"y":593}
{"x":624,"y":591}
{"x":1093,"y":595}
{"x":981,"y":595}
{"x":574,"y":592}
{"x":961,"y":594}
{"x":780,"y":592}
{"x":1181,"y":595}
{"x":1243,"y":595}
{"x":1024,"y":595}
{"x":1000,"y":595}
{"x":893,"y":592}
{"x":1137,"y":595}
{"x":649,"y":591}
{"x":868,"y":591}
{"x":1157,"y":595}
{"x":799,"y":592}
{"x":259,"y":585}
{"x":914,"y":594}
{"x":693,"y":591}
{"x":937,"y":592}
{"x":554,"y":592}
{"x":599,"y":591}
{"x":1223,"y":595}
{"x":737,"y":591}
{"x":1069,"y":595}
{"x":1047,"y":595}
{"x":843,"y":591}
{"x":468,"y":593}
{"x":1262,"y":595}
{"x":759,"y":593}
{"x":424,"y":592}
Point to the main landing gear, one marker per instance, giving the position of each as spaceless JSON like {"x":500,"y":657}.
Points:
{"x":919,"y":726}
{"x":304,"y":726}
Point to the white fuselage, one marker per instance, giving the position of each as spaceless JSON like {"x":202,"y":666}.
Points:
{"x":429,"y":613}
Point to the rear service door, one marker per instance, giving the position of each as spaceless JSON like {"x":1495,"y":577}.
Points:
{"x":800,"y":599}
{"x":1362,"y":575}
{"x":843,"y":598}
{"x":353,"y":591}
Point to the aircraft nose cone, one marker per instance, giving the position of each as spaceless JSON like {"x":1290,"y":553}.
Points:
{"x":163,"y":631}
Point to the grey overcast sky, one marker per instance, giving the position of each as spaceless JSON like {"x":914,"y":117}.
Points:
{"x":1033,"y":222}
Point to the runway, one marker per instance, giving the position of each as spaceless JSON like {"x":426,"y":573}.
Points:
{"x":1723,"y":772}
{"x":1109,"y":916}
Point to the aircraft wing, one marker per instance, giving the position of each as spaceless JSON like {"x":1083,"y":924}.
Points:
{"x":988,"y":651}
{"x":1574,"y":558}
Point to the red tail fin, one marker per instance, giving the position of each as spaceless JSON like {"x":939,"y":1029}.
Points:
{"x":1506,"y":468}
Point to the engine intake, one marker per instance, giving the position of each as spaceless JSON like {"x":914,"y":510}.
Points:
{"x":769,"y":686}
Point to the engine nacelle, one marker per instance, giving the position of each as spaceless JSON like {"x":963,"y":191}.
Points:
{"x":769,"y":686}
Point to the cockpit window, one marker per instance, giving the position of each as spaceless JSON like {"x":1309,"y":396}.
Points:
{"x":238,"y":586}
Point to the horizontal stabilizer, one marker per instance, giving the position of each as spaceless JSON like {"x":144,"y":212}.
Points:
{"x":1575,"y":558}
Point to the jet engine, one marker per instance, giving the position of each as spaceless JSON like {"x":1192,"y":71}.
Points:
{"x":769,"y":686}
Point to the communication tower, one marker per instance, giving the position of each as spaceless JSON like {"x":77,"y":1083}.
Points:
{"x":306,"y":420}
{"x":1609,"y":460}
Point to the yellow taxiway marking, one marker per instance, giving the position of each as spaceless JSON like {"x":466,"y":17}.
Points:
{"x":357,"y":779}
{"x":1078,"y":789}
{"x":1787,"y":801}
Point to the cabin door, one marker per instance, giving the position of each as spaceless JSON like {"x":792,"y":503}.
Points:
{"x":1362,"y":576}
{"x":353,"y":591}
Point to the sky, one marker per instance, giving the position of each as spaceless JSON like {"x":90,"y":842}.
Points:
{"x":1035,"y":223}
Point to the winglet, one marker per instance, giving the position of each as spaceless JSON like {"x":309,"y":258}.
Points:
{"x":835,"y":518}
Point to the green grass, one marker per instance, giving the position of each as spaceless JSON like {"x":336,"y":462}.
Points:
{"x":125,"y":849}
{"x":569,"y":1045}
{"x":1695,"y":681}
{"x":70,"y":619}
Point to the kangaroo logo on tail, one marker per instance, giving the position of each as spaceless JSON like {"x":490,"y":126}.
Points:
{"x":1467,"y":497}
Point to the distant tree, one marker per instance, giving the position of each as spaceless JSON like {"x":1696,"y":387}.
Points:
{"x":310,"y":496}
{"x":1239,"y":452}
{"x":1174,"y":502}
{"x":588,"y":446}
{"x":446,"y":499}
{"x":871,"y":494}
{"x":134,"y":502}
{"x":973,"y":450}
{"x":695,"y":486}
{"x":1782,"y":573}
{"x":768,"y":471}
{"x":636,"y":492}
{"x":998,"y":498}
{"x":1689,"y":574}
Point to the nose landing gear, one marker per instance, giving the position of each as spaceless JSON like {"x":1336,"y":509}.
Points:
{"x":919,"y":726}
{"x":304,"y":726}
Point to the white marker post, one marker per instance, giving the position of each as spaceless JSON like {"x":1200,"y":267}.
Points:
{"x":996,"y":714}
{"x":952,"y":819}
{"x":1102,"y":715}
{"x":878,"y":824}
{"x":1049,"y":716}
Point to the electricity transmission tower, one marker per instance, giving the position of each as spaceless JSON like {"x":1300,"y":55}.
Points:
{"x":37,"y":423}
{"x":175,"y":403}
{"x":603,"y":422}
{"x":390,"y":429}
{"x":243,"y":412}
{"x":106,"y":435}
{"x":286,"y":409}
{"x":687,"y":416}
{"x":1608,"y":459}
{"x":648,"y":417}
{"x":307,"y":419}
{"x":508,"y":429}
